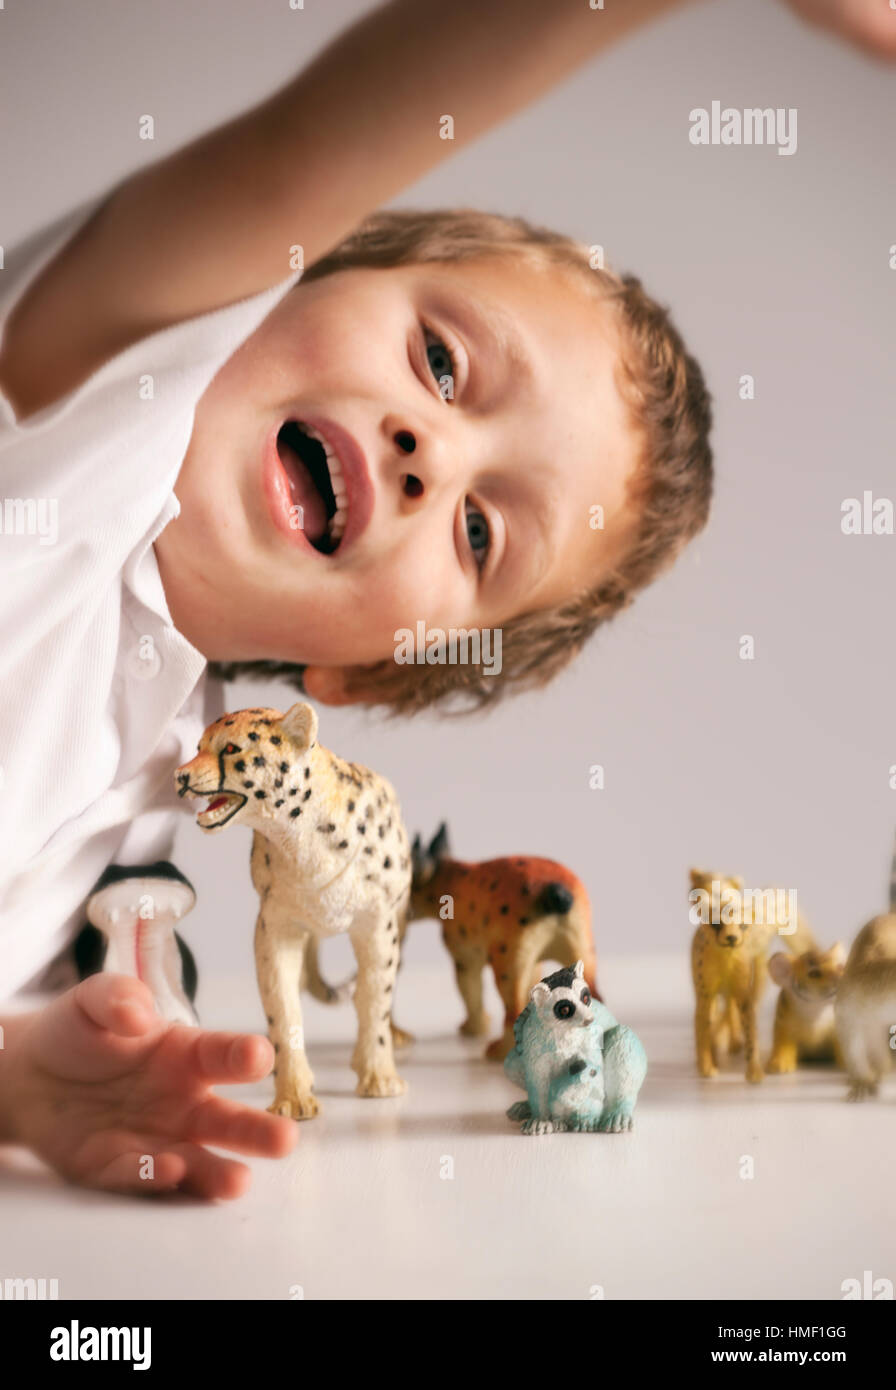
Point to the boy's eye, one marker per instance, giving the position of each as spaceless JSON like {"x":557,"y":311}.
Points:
{"x":477,"y":534}
{"x":441,"y":364}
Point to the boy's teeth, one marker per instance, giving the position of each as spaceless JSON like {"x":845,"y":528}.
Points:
{"x":336,"y":523}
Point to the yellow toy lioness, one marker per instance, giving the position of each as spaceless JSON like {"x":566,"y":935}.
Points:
{"x":729,"y":963}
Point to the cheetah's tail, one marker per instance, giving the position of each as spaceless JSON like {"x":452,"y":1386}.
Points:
{"x":317,"y":986}
{"x":555,"y":898}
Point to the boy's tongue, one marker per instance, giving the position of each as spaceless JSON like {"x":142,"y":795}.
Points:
{"x":303,"y":493}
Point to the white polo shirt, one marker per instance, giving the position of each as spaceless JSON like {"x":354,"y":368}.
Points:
{"x":100,"y":696}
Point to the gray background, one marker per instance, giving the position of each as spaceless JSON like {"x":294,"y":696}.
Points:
{"x":776,"y":768}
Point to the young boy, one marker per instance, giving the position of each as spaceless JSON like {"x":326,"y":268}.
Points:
{"x":476,"y":388}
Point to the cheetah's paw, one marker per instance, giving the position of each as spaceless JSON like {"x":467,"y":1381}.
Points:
{"x":303,"y":1107}
{"x":378,"y":1084}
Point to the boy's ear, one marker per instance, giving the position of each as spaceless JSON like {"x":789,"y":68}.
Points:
{"x":326,"y":684}
{"x":300,"y":724}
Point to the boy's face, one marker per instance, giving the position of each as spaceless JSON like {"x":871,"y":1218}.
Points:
{"x":468,"y":499}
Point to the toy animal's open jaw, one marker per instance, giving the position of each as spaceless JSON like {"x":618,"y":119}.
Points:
{"x":222,"y":807}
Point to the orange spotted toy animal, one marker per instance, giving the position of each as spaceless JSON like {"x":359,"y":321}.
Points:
{"x":511,"y":914}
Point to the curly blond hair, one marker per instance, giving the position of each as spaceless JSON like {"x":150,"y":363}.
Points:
{"x":669,"y":490}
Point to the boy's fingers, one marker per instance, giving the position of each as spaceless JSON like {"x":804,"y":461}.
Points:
{"x":229,"y":1125}
{"x":226,"y":1058}
{"x":123,"y":1174}
{"x":209,"y":1175}
{"x":120,"y":1162}
{"x":117,"y":1003}
{"x":75,"y":1034}
{"x":124,"y":1162}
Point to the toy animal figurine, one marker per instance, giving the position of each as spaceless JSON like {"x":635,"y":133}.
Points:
{"x":507,"y":913}
{"x":329,"y":855}
{"x":728,"y":964}
{"x":804,"y":1017}
{"x":131,"y":914}
{"x":865,"y":1007}
{"x":580,"y":1069}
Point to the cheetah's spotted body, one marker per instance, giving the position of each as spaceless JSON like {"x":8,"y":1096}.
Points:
{"x":329,"y":854}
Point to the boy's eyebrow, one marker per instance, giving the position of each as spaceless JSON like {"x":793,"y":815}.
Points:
{"x":492,"y":326}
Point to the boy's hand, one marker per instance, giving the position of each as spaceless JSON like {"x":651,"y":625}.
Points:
{"x":870,"y":24}
{"x":99,"y":1082}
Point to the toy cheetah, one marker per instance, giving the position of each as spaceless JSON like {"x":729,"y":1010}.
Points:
{"x":729,"y":968}
{"x":508,"y":913}
{"x":329,"y":854}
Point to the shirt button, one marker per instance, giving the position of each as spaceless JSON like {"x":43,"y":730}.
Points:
{"x":143,"y":659}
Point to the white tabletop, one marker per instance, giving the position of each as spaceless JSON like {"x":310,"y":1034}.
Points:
{"x":361,"y":1209}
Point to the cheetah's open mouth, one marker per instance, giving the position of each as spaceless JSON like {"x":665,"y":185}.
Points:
{"x":220,"y":809}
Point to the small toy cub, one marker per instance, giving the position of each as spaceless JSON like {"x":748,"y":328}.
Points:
{"x":866,"y":1002}
{"x":329,"y":855}
{"x":804,"y":1018}
{"x":728,"y":964}
{"x":866,"y":1006}
{"x":507,"y":913}
{"x":581,"y":1069}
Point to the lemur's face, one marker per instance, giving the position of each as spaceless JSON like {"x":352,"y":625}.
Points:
{"x":252,"y":766}
{"x":564,"y":999}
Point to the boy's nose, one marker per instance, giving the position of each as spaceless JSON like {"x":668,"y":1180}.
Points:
{"x":430,"y":454}
{"x":411,"y":485}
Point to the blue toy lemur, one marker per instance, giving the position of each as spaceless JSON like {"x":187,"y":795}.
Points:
{"x":580,"y":1069}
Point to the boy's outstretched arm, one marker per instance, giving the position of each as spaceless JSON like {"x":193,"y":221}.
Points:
{"x":214,"y":222}
{"x":352,"y":130}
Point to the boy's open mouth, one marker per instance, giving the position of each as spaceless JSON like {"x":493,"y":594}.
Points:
{"x":316,"y":483}
{"x":220,"y":808}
